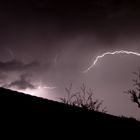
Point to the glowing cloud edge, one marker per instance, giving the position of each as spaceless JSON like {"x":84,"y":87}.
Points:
{"x":109,"y":53}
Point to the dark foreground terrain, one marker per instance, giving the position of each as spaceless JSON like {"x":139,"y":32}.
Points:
{"x":18,"y":109}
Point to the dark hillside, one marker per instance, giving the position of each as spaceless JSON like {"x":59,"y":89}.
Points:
{"x":18,"y":107}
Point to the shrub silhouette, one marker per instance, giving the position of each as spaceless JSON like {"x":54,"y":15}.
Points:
{"x":135,"y":92}
{"x":83,"y":99}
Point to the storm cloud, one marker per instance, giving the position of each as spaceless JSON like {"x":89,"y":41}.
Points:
{"x":22,"y":83}
{"x":15,"y":65}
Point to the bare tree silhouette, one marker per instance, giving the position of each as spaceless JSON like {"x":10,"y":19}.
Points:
{"x":83,"y":99}
{"x":135,"y":92}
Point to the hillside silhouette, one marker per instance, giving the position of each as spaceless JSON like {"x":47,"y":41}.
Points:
{"x":18,"y":107}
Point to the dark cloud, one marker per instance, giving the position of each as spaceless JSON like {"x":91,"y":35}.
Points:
{"x":15,"y":65}
{"x":18,"y":74}
{"x":22,"y":83}
{"x":48,"y":21}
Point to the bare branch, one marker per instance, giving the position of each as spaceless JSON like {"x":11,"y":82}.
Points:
{"x":135,"y":92}
{"x":83,"y":99}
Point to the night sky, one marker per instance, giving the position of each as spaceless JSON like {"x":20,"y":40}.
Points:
{"x":46,"y":44}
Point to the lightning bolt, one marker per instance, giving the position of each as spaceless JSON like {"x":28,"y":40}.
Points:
{"x":109,"y":53}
